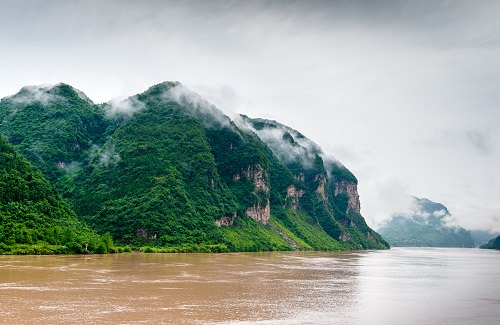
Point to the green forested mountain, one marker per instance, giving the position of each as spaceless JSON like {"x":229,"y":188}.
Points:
{"x":429,"y":224}
{"x":165,"y":168}
{"x":53,"y":126}
{"x":33,"y":218}
{"x":492,"y":244}
{"x":323,"y":188}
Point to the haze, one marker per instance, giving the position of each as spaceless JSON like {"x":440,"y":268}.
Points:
{"x":405,"y":94}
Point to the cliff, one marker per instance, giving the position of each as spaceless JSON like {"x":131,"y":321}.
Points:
{"x":167,"y":168}
{"x":321,"y":185}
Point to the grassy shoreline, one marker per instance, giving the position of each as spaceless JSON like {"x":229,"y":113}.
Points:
{"x":46,"y":249}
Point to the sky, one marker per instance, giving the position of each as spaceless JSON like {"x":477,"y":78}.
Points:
{"x":406,"y":94}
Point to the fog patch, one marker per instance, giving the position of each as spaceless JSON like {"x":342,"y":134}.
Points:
{"x":330,"y":162}
{"x":71,"y":169}
{"x":29,"y":94}
{"x":391,"y":198}
{"x":123,"y":106}
{"x":286,"y":151}
{"x":480,"y":140}
{"x":83,"y":96}
{"x":197,"y":106}
{"x":105,"y":155}
{"x":420,"y":213}
{"x":286,"y":143}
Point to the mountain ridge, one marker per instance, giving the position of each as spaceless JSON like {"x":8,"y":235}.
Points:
{"x":427,"y":224}
{"x":166,"y":168}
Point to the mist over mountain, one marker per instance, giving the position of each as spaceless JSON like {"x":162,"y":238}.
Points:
{"x":33,"y":218}
{"x":426,"y":224}
{"x":492,"y":244}
{"x":482,"y":237}
{"x":166,"y":168}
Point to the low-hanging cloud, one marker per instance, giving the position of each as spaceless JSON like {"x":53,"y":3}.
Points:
{"x":30,"y":94}
{"x":419,"y":213}
{"x":287,"y":149}
{"x":105,"y":155}
{"x":474,"y":138}
{"x":289,"y":145}
{"x":124,"y":106}
{"x":480,"y":140}
{"x":197,"y":106}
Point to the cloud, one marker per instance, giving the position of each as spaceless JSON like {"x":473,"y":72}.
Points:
{"x":123,"y":106}
{"x":478,"y":216}
{"x":475,"y":138}
{"x":370,"y":76}
{"x":72,"y":169}
{"x":105,"y":155}
{"x":390,"y":197}
{"x":480,"y":140}
{"x":83,"y":96}
{"x":225,"y":97}
{"x":424,"y":211}
{"x":29,"y":94}
{"x":197,"y":106}
{"x":286,"y":143}
{"x":192,"y":103}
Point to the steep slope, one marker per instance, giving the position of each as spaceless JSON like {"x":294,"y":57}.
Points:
{"x":322,"y":187}
{"x":154,"y":180}
{"x":492,"y":244}
{"x":166,"y":179}
{"x":33,"y":218}
{"x":429,"y":224}
{"x":166,"y":168}
{"x":53,"y":126}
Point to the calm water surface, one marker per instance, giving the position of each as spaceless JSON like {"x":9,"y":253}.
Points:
{"x":400,"y":286}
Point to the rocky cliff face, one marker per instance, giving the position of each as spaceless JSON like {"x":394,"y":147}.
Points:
{"x":293,"y":196}
{"x":260,"y":211}
{"x":167,"y":168}
{"x":321,"y":190}
{"x":225,"y":221}
{"x":319,"y":178}
{"x":351,"y":190}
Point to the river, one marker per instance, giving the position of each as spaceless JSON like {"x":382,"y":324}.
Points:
{"x":398,"y":286}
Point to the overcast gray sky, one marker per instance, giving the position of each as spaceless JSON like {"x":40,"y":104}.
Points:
{"x":405,"y":93}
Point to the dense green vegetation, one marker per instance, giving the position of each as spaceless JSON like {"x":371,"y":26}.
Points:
{"x":33,"y":218}
{"x":426,"y":226}
{"x":53,"y":127}
{"x":161,"y":171}
{"x":311,"y":171}
{"x":492,"y":244}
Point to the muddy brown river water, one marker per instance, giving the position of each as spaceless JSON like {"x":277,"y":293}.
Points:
{"x":399,"y":286}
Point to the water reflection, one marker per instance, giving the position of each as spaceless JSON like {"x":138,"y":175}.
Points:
{"x":388,"y":287}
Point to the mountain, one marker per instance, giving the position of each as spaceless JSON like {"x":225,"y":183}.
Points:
{"x":33,"y":218}
{"x":482,"y":237}
{"x":53,"y":126}
{"x":166,"y":168}
{"x":428,"y":224}
{"x":322,"y":187}
{"x":492,"y":244}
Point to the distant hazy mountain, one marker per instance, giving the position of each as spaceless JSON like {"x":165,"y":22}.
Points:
{"x":166,"y":168}
{"x":429,"y":224}
{"x":492,"y":244}
{"x":482,"y":237}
